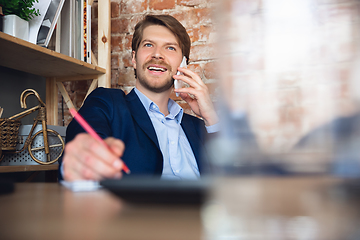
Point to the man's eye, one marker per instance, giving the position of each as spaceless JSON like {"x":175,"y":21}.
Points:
{"x":147,"y":45}
{"x":172,"y":48}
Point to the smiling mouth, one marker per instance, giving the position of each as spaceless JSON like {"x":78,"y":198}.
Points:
{"x":157,"y":69}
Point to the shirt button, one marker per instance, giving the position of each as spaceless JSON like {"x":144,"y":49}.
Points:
{"x":172,"y":142}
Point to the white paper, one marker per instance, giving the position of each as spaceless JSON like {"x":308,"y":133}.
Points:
{"x":82,"y":186}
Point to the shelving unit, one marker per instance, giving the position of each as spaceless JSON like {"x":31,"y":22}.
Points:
{"x":57,"y":68}
{"x":27,"y":57}
{"x":28,"y":168}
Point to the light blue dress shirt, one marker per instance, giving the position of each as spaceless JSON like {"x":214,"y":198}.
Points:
{"x":179,"y":160}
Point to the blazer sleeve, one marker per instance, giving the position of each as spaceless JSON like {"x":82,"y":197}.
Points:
{"x":98,"y":111}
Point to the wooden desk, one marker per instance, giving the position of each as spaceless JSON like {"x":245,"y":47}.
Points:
{"x":258,"y":208}
{"x":49,"y":211}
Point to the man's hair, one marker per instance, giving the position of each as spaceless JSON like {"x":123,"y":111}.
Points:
{"x":170,"y":23}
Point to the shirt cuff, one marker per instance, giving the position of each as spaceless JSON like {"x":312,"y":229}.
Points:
{"x":213,"y":128}
{"x":62,"y":170}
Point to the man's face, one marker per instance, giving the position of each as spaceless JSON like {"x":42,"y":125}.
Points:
{"x":157,"y":59}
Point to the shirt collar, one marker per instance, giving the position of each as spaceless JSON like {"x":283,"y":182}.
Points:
{"x":175,"y":111}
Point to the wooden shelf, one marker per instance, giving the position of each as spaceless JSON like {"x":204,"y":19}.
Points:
{"x":29,"y":168}
{"x":27,"y":57}
{"x":24,"y":56}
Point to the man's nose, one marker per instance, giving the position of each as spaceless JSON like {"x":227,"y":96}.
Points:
{"x":157,"y":54}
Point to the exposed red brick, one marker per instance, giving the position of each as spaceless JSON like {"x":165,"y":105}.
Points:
{"x":94,"y":29}
{"x":201,"y":33}
{"x":67,"y":118}
{"x":133,"y":21}
{"x":211,"y":70}
{"x":242,"y":7}
{"x":114,"y":61}
{"x":212,"y":89}
{"x":193,"y":34}
{"x":114,"y":76}
{"x":204,"y":32}
{"x":119,"y":25}
{"x":161,"y":4}
{"x":128,"y":39}
{"x":204,"y":15}
{"x":195,"y":68}
{"x":202,"y":52}
{"x":132,"y":6}
{"x":187,"y":18}
{"x":127,"y":60}
{"x":115,"y":9}
{"x":80,"y":96}
{"x":117,"y":43}
{"x":94,"y":42}
{"x":79,"y":86}
{"x":126,"y":77}
{"x":189,"y":3}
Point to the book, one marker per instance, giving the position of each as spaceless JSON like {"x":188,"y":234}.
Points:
{"x":75,"y":21}
{"x":85,"y":30}
{"x":85,"y":37}
{"x":78,"y":30}
{"x":49,"y":22}
{"x":81,"y":27}
{"x":88,"y":33}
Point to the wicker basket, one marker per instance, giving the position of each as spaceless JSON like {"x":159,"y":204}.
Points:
{"x":9,"y":132}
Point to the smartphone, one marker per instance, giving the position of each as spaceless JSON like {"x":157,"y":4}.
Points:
{"x":178,"y":83}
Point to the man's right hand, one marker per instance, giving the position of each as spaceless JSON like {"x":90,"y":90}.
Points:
{"x":87,"y":159}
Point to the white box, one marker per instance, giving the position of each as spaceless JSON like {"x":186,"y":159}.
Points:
{"x":15,"y":26}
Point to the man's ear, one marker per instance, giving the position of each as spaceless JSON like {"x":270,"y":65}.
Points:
{"x":133,"y":60}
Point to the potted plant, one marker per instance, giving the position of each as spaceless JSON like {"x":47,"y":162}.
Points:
{"x":17,"y":14}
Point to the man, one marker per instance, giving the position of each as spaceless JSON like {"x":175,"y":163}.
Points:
{"x":145,"y":129}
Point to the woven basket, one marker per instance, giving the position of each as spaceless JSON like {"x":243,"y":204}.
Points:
{"x":9,"y":132}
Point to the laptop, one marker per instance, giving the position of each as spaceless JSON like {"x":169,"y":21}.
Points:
{"x":150,"y":190}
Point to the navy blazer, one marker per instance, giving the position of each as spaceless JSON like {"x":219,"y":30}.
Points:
{"x":113,"y":113}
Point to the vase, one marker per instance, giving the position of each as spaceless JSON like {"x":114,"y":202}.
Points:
{"x":16,"y":26}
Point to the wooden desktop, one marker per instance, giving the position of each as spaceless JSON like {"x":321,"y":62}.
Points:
{"x":50,"y":211}
{"x":267,"y":207}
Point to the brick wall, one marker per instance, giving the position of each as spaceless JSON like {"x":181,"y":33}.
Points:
{"x":289,"y":66}
{"x":195,"y":15}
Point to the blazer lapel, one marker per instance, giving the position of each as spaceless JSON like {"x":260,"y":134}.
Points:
{"x":194,"y":140}
{"x":140,"y":116}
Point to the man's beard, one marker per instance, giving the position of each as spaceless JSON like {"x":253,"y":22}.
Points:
{"x":147,"y":84}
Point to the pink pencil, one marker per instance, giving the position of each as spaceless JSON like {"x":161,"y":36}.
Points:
{"x":91,"y":131}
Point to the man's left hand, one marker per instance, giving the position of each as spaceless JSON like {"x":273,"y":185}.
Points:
{"x":201,"y":103}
